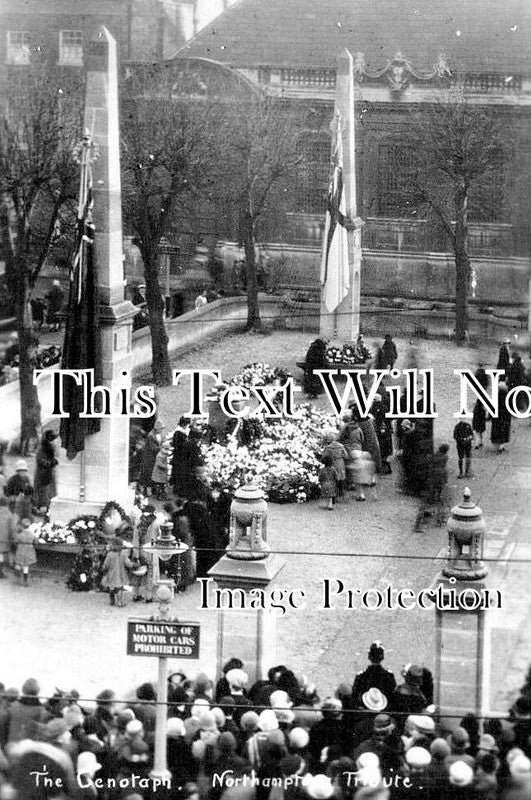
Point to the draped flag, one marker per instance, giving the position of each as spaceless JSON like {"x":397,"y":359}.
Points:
{"x":82,"y":347}
{"x":335,"y":274}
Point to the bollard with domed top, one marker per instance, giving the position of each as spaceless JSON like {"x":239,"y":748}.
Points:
{"x":462,"y":637}
{"x":466,"y":533}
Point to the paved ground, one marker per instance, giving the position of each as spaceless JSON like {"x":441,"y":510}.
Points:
{"x":75,"y":639}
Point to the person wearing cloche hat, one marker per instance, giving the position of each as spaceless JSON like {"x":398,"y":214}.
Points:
{"x":238,"y":680}
{"x":460,"y":777}
{"x":281,"y":704}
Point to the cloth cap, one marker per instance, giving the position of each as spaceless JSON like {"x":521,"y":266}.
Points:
{"x":267,"y":720}
{"x":487,"y":743}
{"x":374,"y":700}
{"x":159,"y":425}
{"x":124,"y":717}
{"x":219,"y":717}
{"x":418,"y":757}
{"x":520,"y":765}
{"x":368,"y":761}
{"x":280,"y":699}
{"x":175,"y":727}
{"x":199,"y":705}
{"x":413,"y":674}
{"x":227,"y":741}
{"x":460,"y":774}
{"x":30,"y":687}
{"x":319,"y":787}
{"x":87,"y":763}
{"x":134,"y":727}
{"x":298,"y":738}
{"x":106,"y":696}
{"x":207,"y":721}
{"x":423,"y":724}
{"x":21,"y":464}
{"x":459,"y":738}
{"x":237,"y":678}
{"x":439,"y":748}
{"x":249,"y":721}
{"x":383,"y":724}
{"x":290,"y":765}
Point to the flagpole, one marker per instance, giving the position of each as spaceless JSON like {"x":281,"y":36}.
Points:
{"x":82,"y":200}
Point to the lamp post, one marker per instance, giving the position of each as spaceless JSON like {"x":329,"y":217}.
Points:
{"x":163,"y":548}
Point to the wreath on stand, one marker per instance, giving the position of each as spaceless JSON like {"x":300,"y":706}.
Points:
{"x":93,"y":534}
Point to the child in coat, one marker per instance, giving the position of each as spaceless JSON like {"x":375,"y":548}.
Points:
{"x":115,"y":571}
{"x":25,"y":555}
{"x":328,"y":482}
{"x":159,"y":476}
{"x":339,"y":456}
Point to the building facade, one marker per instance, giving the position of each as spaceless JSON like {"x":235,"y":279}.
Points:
{"x":406,"y":55}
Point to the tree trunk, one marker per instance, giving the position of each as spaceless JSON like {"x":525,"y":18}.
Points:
{"x":253,"y":308}
{"x":462,"y":266}
{"x":30,"y":407}
{"x":160,"y":360}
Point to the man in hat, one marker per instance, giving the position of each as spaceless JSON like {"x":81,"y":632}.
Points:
{"x":408,"y":697}
{"x":26,"y":713}
{"x":385,"y":742}
{"x":375,"y":676}
{"x":44,"y":479}
{"x":374,"y":701}
{"x":55,"y":299}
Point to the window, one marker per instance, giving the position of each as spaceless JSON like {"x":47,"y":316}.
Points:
{"x":314,"y":175}
{"x":18,"y":47}
{"x":396,"y":173}
{"x":71,"y":48}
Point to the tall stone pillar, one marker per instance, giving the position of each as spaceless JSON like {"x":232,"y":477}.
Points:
{"x":100,"y":473}
{"x":247,"y":633}
{"x":343,"y":321}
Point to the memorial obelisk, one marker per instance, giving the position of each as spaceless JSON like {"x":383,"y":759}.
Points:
{"x":341,"y":255}
{"x":100,"y":472}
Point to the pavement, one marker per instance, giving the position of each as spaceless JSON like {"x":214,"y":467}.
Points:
{"x":76,"y":639}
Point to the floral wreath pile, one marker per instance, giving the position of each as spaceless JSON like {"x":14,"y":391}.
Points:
{"x":349,"y":354}
{"x":93,"y":534}
{"x":283,"y":457}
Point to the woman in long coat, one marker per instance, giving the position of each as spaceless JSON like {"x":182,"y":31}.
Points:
{"x":44,"y":481}
{"x":479,"y":415}
{"x":209,"y":548}
{"x":370,"y":441}
{"x":384,"y":430}
{"x":315,"y":359}
{"x":7,"y":533}
{"x":152,"y":446}
{"x":500,"y":432}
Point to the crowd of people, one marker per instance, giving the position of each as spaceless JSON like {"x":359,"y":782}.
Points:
{"x":277,"y":739}
{"x":354,"y":456}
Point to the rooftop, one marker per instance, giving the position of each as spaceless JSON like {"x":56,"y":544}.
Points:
{"x":481,"y":36}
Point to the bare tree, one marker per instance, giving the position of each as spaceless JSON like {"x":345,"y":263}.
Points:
{"x":460,"y":150}
{"x":165,"y":161}
{"x":259,"y":149}
{"x":37,"y":185}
